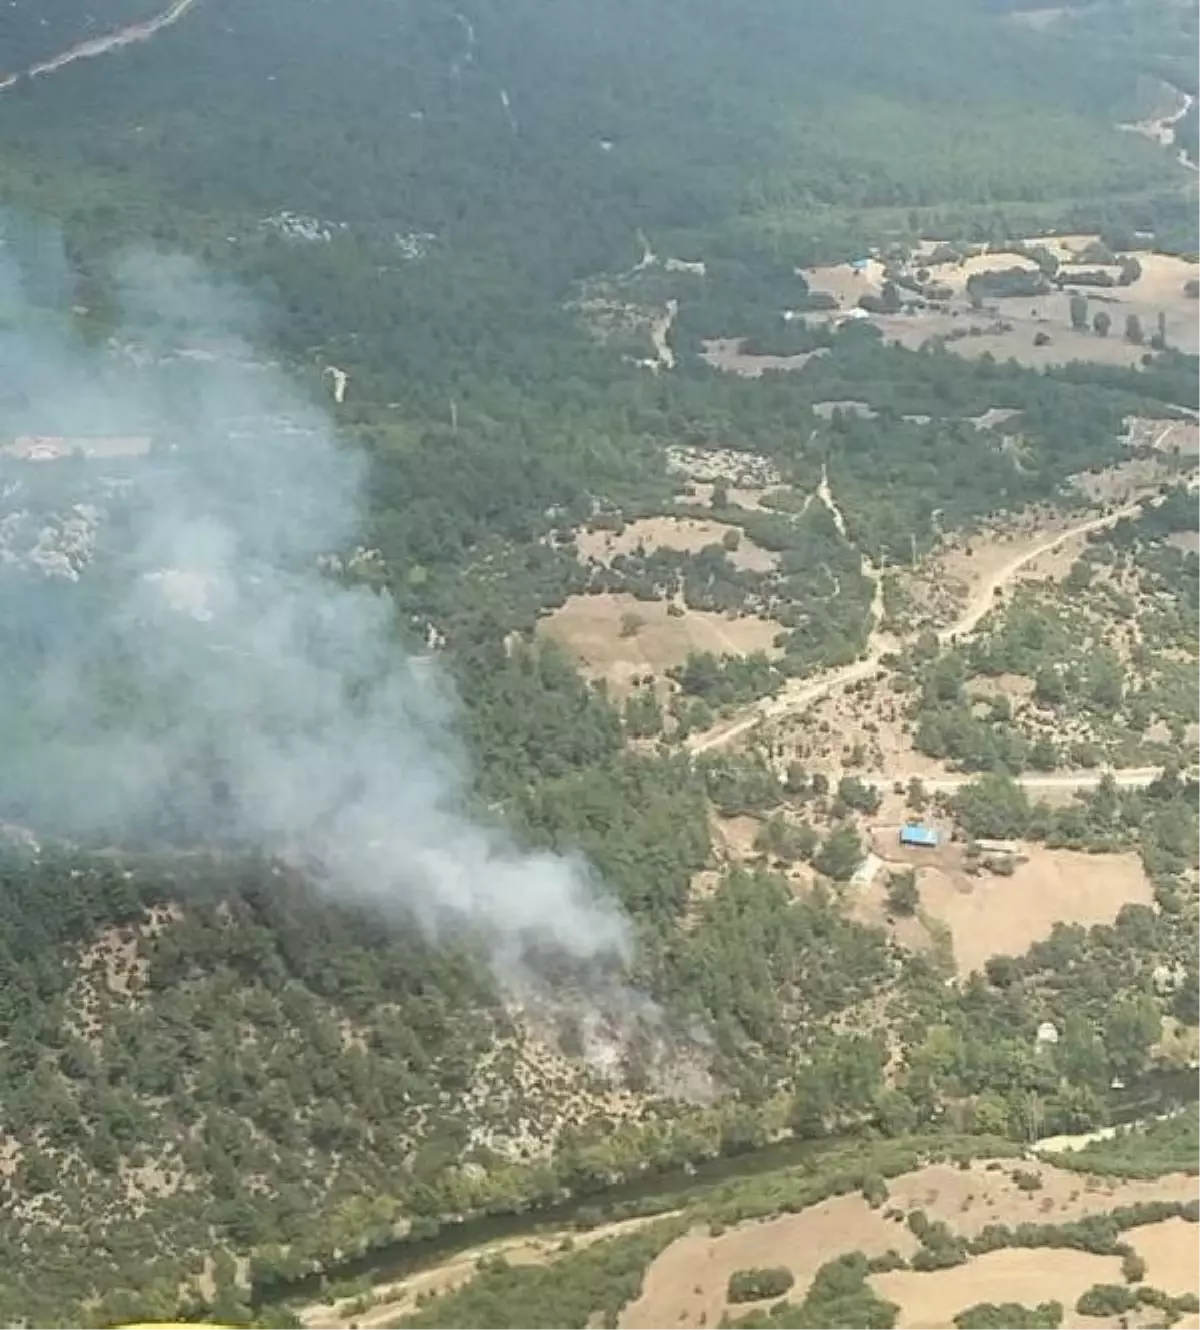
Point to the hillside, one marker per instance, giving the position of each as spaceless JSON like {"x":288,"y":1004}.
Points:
{"x":504,"y":512}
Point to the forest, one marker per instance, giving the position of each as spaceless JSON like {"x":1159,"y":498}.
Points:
{"x":213,"y":1082}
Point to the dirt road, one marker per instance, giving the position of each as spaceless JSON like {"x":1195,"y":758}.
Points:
{"x":660,"y":331}
{"x":1162,"y":130}
{"x":1127,"y":778}
{"x":113,"y":41}
{"x":796,"y":694}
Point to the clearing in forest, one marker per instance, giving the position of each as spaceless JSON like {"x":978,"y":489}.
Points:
{"x":688,"y":534}
{"x":619,"y":638}
{"x":1009,"y":326}
{"x":686,"y":1284}
{"x":991,"y":914}
{"x":728,"y":354}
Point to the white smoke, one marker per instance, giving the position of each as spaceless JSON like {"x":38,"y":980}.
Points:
{"x":261,"y":699}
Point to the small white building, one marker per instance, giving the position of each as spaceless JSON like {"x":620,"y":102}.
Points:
{"x":1047,"y":1034}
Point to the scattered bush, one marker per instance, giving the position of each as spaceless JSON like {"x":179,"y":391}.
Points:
{"x":755,"y":1284}
{"x":1106,"y":1300}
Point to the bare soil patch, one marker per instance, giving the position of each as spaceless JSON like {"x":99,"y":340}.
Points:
{"x":845,"y":283}
{"x":1002,"y":916}
{"x":674,"y":533}
{"x":931,"y":1299}
{"x":863,"y":728}
{"x":954,"y":574}
{"x":1168,"y":436}
{"x":1170,"y":1252}
{"x":591,"y":629}
{"x":1007,"y":327}
{"x":685,"y":1285}
{"x":726,"y":354}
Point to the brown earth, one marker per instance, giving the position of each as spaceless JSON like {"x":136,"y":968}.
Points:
{"x":590,"y":629}
{"x":1002,"y":916}
{"x":1007,"y":328}
{"x":686,"y":1284}
{"x":1170,"y":1252}
{"x":929,"y":1300}
{"x":725,"y":353}
{"x":675,"y":533}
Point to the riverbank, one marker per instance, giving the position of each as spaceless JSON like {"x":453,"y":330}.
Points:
{"x":390,"y":1269}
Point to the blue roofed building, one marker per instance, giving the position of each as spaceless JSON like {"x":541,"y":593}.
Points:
{"x":919,"y":835}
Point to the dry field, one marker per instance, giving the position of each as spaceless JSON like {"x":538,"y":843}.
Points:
{"x":591,"y":629}
{"x":673,"y":533}
{"x":1176,"y":436}
{"x":725,"y":353}
{"x":686,"y":1284}
{"x":971,"y":333}
{"x":930,"y":1299}
{"x":991,"y":915}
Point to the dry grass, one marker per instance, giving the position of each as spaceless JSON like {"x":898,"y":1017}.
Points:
{"x":843,"y":283}
{"x":931,"y":1299}
{"x":1003,"y":916}
{"x":1169,"y":1250}
{"x":725,"y":353}
{"x":685,"y":1285}
{"x":1008,"y":327}
{"x":590,"y":629}
{"x":673,"y":533}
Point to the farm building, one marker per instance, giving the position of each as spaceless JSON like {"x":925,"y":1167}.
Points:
{"x":919,"y":835}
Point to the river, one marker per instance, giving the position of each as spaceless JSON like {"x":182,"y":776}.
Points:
{"x":664,"y":1190}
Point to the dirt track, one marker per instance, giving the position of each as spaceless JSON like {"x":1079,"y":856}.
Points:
{"x":113,"y":41}
{"x":797,"y":695}
{"x":1127,"y":778}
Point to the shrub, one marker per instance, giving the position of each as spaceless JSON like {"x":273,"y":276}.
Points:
{"x":1106,"y":1300}
{"x":874,"y":1190}
{"x":1010,"y":1316}
{"x":756,"y":1284}
{"x":1133,"y":1268}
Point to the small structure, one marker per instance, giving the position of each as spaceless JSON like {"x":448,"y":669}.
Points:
{"x":918,"y":835}
{"x":859,"y":265}
{"x":1047,"y":1034}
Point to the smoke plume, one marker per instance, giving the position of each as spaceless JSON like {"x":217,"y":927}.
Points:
{"x":194,"y":667}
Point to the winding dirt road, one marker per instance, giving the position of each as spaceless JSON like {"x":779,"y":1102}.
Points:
{"x":798,"y":694}
{"x":113,"y":41}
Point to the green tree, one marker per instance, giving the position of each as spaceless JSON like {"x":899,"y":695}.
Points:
{"x":903,"y":896}
{"x":841,"y":854}
{"x":1131,"y":1026}
{"x":1134,"y":333}
{"x":1101,"y":322}
{"x":1079,"y":311}
{"x":994,"y":807}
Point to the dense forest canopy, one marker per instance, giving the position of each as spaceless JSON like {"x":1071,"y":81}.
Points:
{"x":213,"y":1080}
